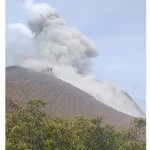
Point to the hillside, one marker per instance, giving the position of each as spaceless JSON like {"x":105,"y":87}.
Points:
{"x":63,"y":99}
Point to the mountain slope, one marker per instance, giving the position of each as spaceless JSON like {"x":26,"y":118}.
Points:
{"x":63,"y":99}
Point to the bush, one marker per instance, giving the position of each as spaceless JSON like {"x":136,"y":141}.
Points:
{"x":28,"y":128}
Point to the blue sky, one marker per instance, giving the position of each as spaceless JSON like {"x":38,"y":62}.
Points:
{"x":118,"y":30}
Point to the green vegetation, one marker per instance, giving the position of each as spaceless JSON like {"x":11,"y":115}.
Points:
{"x":28,"y":128}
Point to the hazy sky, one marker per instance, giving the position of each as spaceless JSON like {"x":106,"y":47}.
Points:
{"x":118,"y":30}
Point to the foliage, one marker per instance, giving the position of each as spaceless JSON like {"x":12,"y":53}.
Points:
{"x":28,"y":128}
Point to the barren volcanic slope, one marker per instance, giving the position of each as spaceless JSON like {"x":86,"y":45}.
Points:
{"x":63,"y":99}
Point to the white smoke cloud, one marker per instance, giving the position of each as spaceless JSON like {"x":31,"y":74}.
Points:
{"x":20,"y":28}
{"x":70,"y":54}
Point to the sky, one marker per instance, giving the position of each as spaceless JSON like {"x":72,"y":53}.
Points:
{"x":118,"y":30}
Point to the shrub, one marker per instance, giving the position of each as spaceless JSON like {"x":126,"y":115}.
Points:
{"x":28,"y":128}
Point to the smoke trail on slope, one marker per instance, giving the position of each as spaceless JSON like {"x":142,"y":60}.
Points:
{"x":70,"y":54}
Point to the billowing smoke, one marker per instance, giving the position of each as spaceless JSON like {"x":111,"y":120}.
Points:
{"x":69,"y":53}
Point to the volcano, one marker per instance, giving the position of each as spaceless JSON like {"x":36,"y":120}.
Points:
{"x":63,"y":99}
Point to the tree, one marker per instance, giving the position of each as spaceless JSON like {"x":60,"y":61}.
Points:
{"x":28,"y":128}
{"x":25,"y":127}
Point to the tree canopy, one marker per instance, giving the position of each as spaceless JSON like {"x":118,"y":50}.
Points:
{"x":29,"y":128}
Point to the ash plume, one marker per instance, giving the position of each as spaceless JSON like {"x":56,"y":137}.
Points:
{"x":69,"y":53}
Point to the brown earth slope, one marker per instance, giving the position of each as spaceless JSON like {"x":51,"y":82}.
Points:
{"x":63,"y":99}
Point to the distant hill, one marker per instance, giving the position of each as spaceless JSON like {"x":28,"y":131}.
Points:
{"x":63,"y":99}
